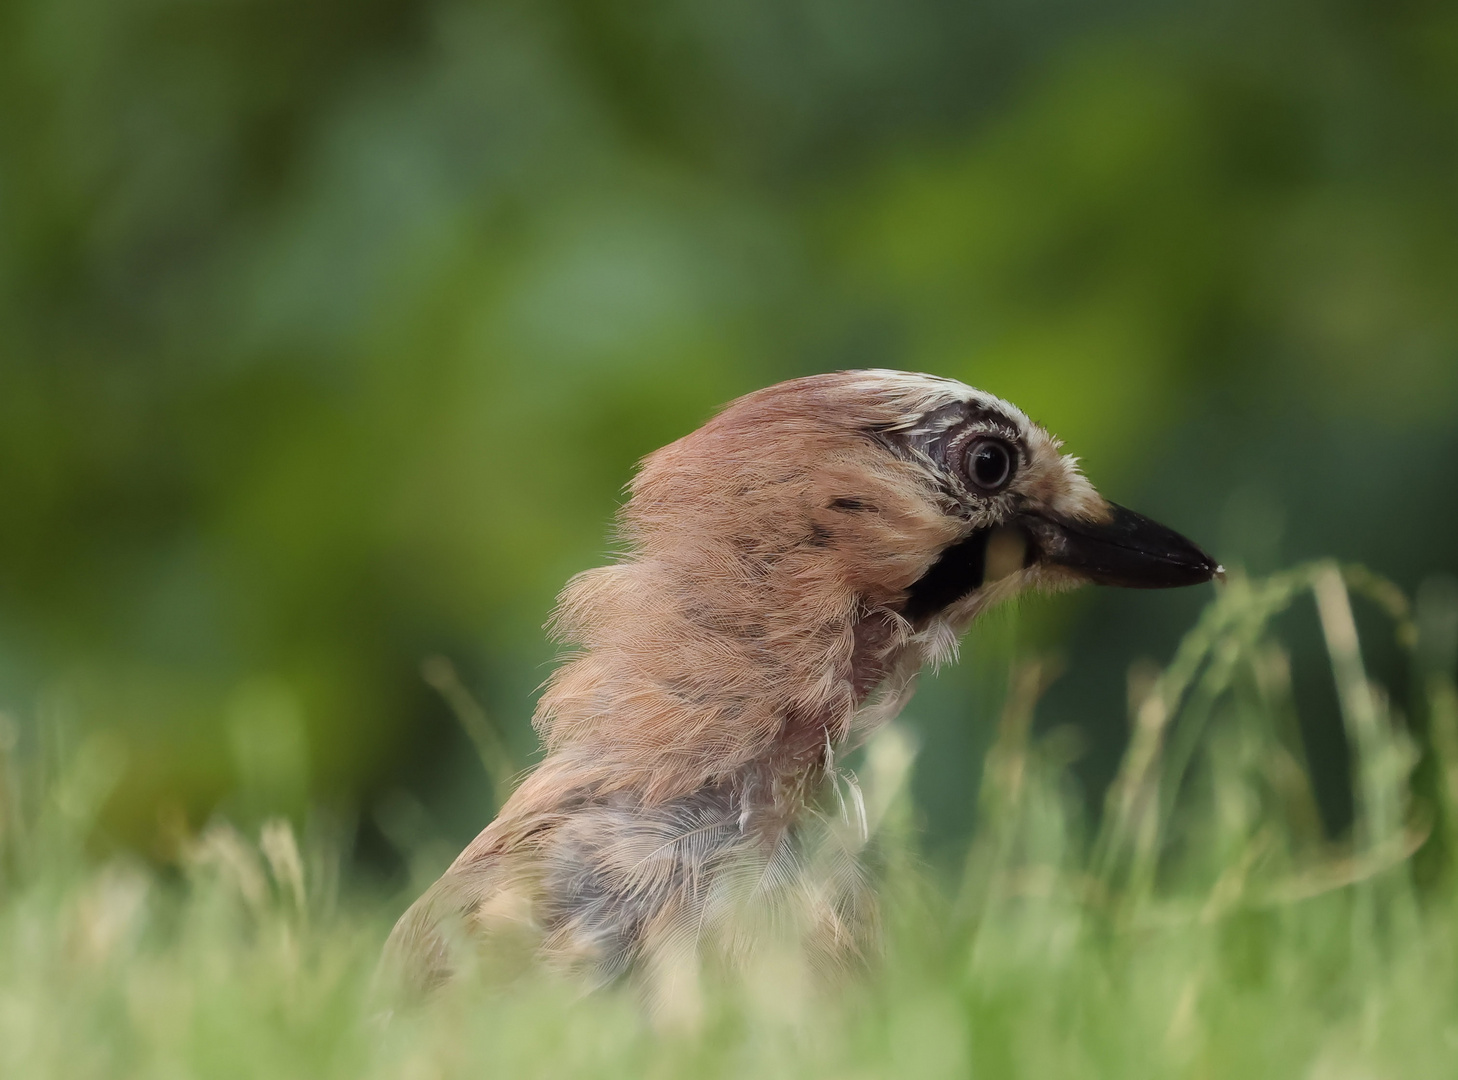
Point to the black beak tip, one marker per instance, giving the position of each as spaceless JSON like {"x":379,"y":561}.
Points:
{"x":1180,"y":556}
{"x":1161,"y":557}
{"x":1207,"y":570}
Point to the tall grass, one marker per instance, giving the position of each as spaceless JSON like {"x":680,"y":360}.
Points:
{"x":1203,"y":927}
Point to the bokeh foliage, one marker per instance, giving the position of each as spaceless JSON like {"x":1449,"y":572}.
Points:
{"x":329,"y":332}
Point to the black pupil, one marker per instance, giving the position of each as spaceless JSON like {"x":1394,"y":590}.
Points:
{"x":990,"y":464}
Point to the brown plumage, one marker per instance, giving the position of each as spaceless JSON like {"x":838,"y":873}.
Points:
{"x":788,"y":568}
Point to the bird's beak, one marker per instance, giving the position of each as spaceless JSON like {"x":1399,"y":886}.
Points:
{"x":1125,"y":548}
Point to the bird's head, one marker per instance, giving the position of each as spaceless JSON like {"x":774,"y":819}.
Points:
{"x":816,"y":540}
{"x":919,"y":493}
{"x":1024,"y":513}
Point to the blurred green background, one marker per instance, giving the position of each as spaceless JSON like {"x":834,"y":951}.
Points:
{"x":330,"y":332}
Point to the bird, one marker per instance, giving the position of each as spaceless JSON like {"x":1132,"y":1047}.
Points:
{"x":785,"y":572}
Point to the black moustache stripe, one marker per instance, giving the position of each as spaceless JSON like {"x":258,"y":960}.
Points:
{"x":956,"y":573}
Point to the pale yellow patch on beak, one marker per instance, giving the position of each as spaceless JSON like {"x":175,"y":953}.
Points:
{"x":1006,"y":549}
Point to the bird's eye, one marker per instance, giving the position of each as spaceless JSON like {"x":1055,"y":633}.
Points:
{"x":989,"y":464}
